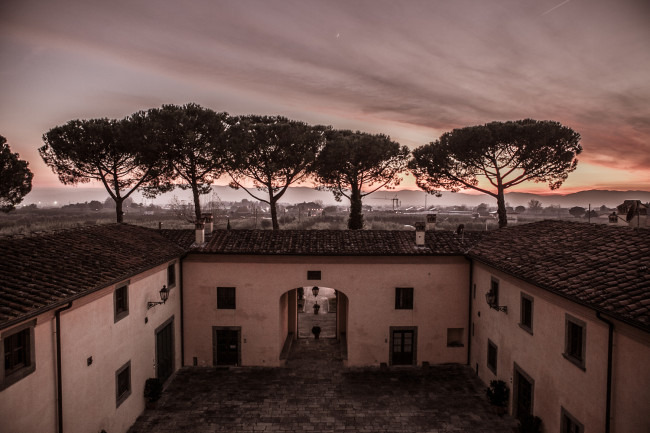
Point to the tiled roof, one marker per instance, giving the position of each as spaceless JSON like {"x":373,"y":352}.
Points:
{"x":42,"y":271}
{"x":336,"y":243}
{"x":604,"y":267}
{"x":181,"y":237}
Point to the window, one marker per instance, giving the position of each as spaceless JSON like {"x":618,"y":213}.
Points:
{"x":122,"y":383}
{"x":494,"y":288}
{"x":226,"y":298}
{"x":568,"y":423}
{"x":492,"y":356}
{"x":121,"y":302}
{"x":575,"y":339}
{"x":171,"y":275}
{"x":526,"y":313}
{"x":313,"y":275}
{"x":404,"y":298}
{"x":455,"y":337}
{"x":18,"y":353}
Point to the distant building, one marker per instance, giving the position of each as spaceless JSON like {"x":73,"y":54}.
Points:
{"x":560,"y":311}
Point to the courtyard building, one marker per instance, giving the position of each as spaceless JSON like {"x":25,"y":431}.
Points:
{"x":559,"y":311}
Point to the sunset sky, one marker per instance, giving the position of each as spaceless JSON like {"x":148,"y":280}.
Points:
{"x":409,"y":69}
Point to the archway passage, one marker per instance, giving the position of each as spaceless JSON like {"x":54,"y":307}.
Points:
{"x":318,"y":308}
{"x":298,"y":316}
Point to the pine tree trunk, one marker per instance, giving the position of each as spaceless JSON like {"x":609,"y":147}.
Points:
{"x":501,"y":209}
{"x":197,"y":204}
{"x":118,"y":209}
{"x":274,"y":214}
{"x":356,"y":216}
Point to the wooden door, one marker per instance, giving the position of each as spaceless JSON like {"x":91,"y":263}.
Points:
{"x":165,"y":352}
{"x":524,"y":403}
{"x":403,"y":343}
{"x":226,"y":347}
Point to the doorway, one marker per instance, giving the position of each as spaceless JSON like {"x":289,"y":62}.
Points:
{"x":226,"y":345}
{"x":524,"y":387}
{"x":403,"y":345}
{"x":317,"y":306}
{"x":165,"y":350}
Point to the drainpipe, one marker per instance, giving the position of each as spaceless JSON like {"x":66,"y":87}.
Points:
{"x":59,"y":390}
{"x":469,"y":308}
{"x":610,"y":345}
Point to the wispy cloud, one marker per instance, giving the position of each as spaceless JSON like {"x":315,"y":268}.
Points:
{"x":432,"y":65}
{"x":556,"y":6}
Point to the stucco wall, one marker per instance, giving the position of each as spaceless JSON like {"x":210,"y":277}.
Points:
{"x":36,"y":393}
{"x":89,"y":391}
{"x":631,"y":380}
{"x":440,"y":302}
{"x":557,"y":381}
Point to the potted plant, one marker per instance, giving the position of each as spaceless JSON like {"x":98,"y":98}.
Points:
{"x":152,"y":391}
{"x":497,"y":395}
{"x":530,"y":424}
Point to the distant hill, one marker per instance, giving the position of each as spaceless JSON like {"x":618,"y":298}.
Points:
{"x":66,"y":195}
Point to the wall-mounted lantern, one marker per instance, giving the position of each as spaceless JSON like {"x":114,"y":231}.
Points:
{"x":164,"y":295}
{"x":314,"y":291}
{"x":491,"y":298}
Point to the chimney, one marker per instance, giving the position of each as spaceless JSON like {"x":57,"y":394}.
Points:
{"x":613,"y":218}
{"x":431,"y":221}
{"x":419,"y":233}
{"x":208,"y":220}
{"x":200,"y":232}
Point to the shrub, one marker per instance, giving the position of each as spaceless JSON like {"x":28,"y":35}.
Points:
{"x":152,"y":389}
{"x":498,"y":393}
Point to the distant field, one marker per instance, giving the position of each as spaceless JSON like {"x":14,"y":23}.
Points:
{"x":25,"y":221}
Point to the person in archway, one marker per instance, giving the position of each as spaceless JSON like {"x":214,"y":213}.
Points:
{"x":316,"y":331}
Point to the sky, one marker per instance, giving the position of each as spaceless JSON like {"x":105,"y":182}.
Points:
{"x":409,"y":69}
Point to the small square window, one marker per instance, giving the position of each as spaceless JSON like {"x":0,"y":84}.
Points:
{"x":492,"y":356}
{"x":526,"y":313}
{"x":171,"y":275}
{"x":404,"y":298}
{"x":122,"y":383}
{"x":569,"y":424}
{"x":226,"y":298}
{"x":121,"y":302}
{"x":455,"y":337}
{"x":575,"y":341}
{"x":313,"y":275}
{"x":17,"y":351}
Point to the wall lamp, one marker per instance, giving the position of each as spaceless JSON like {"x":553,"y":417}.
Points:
{"x":491,"y":299}
{"x":314,"y":291}
{"x":164,"y":295}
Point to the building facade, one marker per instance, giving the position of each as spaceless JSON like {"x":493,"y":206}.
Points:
{"x":568,"y":325}
{"x":559,"y":311}
{"x":78,"y":340}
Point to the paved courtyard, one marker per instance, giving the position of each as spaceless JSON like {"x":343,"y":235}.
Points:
{"x":314,"y":393}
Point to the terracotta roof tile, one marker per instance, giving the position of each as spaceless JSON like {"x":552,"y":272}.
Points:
{"x":603,"y":267}
{"x":336,"y":243}
{"x":41,"y":271}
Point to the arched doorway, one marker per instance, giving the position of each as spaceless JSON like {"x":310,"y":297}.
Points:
{"x":304,"y":307}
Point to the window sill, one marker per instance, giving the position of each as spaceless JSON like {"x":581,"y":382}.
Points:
{"x":526,"y":328}
{"x":580,"y":363}
{"x":121,"y":315}
{"x":16,"y":376}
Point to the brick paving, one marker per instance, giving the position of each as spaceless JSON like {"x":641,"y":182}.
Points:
{"x":314,"y":393}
